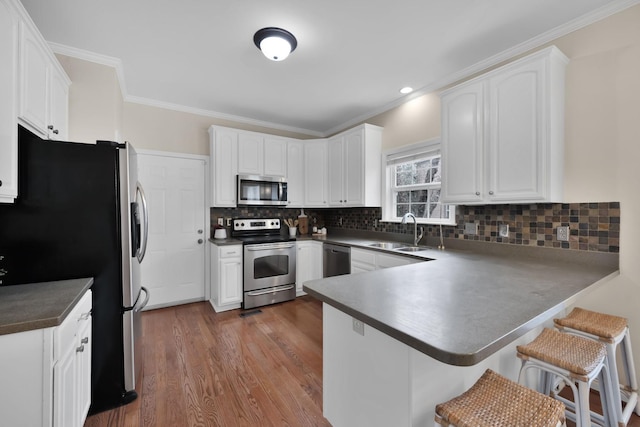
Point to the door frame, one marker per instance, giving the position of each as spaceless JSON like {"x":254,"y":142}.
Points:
{"x":207,"y":205}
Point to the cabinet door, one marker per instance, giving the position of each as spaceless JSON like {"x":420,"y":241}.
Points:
{"x":463,"y":144}
{"x":230,"y":280}
{"x":315,"y":169}
{"x":295,"y":174}
{"x":83,"y":367}
{"x":225,"y":166}
{"x":65,"y":392}
{"x":250,"y":154}
{"x":354,"y":168}
{"x":308,"y":263}
{"x":8,"y":104}
{"x":336,"y":174}
{"x":34,"y":82}
{"x":58,"y":123}
{"x":275,"y":157}
{"x":516,"y":136}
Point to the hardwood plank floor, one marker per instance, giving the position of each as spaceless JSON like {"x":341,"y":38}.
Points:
{"x":203,"y":368}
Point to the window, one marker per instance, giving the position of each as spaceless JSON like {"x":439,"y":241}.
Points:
{"x":412,"y":184}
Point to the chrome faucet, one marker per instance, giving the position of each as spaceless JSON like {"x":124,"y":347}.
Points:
{"x":416,"y":238}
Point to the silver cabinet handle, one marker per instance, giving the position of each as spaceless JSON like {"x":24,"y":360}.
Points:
{"x":80,"y":349}
{"x":200,"y":241}
{"x":491,"y":193}
{"x":84,"y":340}
{"x":55,"y":131}
{"x":50,"y":127}
{"x":477,"y":193}
{"x":200,"y":231}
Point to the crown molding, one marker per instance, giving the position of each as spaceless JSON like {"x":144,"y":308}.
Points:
{"x":531,"y":44}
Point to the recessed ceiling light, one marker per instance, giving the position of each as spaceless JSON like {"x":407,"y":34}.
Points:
{"x":275,"y":43}
{"x":405,"y":90}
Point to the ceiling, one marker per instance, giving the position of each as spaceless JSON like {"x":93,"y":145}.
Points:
{"x":353,"y":56}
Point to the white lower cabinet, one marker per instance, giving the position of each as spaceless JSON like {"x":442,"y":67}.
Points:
{"x":367,"y":260}
{"x":226,"y":277}
{"x":308,"y":263}
{"x":49,"y":371}
{"x":72,"y":371}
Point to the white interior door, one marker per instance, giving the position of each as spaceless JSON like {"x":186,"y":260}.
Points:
{"x":174,"y":267}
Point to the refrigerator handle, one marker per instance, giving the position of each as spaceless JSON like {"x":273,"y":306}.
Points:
{"x":145,"y":223}
{"x":146,"y":299}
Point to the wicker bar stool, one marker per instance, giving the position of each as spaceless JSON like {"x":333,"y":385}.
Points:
{"x":613,"y":331}
{"x":577,"y":361}
{"x":499,"y":402}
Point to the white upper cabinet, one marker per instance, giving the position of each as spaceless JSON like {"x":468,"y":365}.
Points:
{"x":503,"y":134}
{"x":355,"y":167}
{"x":44,"y":87}
{"x":250,"y":154}
{"x":260,"y":154}
{"x":275,"y":156}
{"x":33,"y":91}
{"x":315,"y":173}
{"x":295,"y":174}
{"x":9,"y":24}
{"x":224,"y":165}
{"x":344,"y":170}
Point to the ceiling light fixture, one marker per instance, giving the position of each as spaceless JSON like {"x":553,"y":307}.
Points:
{"x":405,"y":90}
{"x":275,"y":43}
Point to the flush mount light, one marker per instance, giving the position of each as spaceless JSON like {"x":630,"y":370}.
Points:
{"x":275,"y":43}
{"x":405,"y":90}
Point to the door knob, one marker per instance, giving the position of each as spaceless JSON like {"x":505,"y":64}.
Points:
{"x":200,"y":241}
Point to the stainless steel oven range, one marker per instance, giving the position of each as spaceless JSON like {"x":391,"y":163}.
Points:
{"x":269,"y":261}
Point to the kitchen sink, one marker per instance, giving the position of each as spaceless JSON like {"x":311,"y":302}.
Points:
{"x":412,"y":248}
{"x":387,"y":245}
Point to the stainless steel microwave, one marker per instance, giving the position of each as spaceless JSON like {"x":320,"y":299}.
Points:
{"x":261,"y":190}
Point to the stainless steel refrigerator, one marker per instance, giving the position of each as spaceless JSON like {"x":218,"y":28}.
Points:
{"x":81,"y":212}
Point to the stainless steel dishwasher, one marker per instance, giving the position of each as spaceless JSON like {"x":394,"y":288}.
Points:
{"x":337,"y":260}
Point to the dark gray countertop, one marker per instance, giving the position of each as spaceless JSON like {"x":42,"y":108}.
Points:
{"x":39,"y":305}
{"x":225,"y":242}
{"x":467,"y":303}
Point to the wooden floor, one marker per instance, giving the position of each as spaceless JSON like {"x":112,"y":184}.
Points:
{"x":207,"y":369}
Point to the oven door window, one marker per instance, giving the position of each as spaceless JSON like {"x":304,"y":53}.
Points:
{"x":270,"y":266}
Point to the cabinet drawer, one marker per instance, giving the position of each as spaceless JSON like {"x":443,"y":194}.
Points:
{"x":230,"y":251}
{"x":66,"y":332}
{"x":363,"y":256}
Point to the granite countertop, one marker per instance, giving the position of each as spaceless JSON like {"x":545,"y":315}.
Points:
{"x":466,"y":303}
{"x":39,"y":305}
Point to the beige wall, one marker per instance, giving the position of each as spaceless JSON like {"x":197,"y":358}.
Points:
{"x":602,"y":154}
{"x":95,"y":101}
{"x":167,"y":130}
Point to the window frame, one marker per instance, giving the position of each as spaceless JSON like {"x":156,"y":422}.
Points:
{"x":390,"y":159}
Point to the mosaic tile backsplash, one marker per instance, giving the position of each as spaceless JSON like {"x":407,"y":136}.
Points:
{"x":592,"y":226}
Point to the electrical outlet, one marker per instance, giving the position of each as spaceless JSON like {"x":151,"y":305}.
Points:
{"x":228,"y":222}
{"x":503,"y":230}
{"x":470,"y":228}
{"x":358,"y":326}
{"x":562,"y":233}
{"x":221,"y":222}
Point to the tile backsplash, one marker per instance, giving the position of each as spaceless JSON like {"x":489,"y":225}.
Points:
{"x":592,"y":226}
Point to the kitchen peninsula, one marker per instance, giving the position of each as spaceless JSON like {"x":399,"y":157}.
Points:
{"x":432,"y":328}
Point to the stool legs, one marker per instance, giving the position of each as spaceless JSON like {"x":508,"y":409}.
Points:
{"x":630,"y":387}
{"x":583,"y":414}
